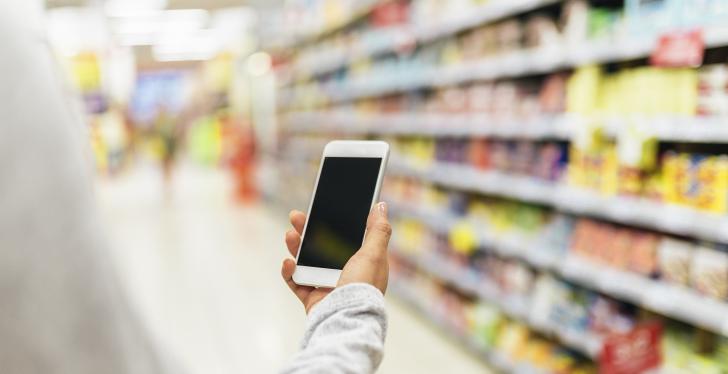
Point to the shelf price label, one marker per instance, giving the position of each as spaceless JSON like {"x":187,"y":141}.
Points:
{"x":679,"y":49}
{"x":634,"y":352}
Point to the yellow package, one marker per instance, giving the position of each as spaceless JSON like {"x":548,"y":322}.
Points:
{"x":463,"y":238}
{"x":676,"y":178}
{"x":609,"y":172}
{"x":687,"y":92}
{"x":654,"y":187}
{"x":513,"y":339}
{"x":582,"y":90}
{"x":630,"y":181}
{"x":538,"y":353}
{"x":576,"y":168}
{"x":711,"y":184}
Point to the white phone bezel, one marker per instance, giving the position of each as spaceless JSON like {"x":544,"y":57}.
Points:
{"x":324,"y":277}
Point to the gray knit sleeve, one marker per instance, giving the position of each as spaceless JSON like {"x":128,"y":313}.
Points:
{"x":345,"y":333}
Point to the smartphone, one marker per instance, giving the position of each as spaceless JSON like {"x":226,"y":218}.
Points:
{"x":346,"y":189}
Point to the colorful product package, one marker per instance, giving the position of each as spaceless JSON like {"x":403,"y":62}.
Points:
{"x":676,"y":169}
{"x":479,"y":155}
{"x":709,"y":272}
{"x":513,"y":338}
{"x":711,"y":180}
{"x":643,"y":257}
{"x":698,"y":181}
{"x":676,"y":348}
{"x":622,"y":244}
{"x":631,"y":181}
{"x":601,"y":241}
{"x":674,"y":259}
{"x":485,"y":321}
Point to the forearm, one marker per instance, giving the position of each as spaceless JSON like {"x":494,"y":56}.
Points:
{"x":345,"y":333}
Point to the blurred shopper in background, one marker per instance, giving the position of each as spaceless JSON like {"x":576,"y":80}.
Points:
{"x":168,"y":133}
{"x":63,"y":307}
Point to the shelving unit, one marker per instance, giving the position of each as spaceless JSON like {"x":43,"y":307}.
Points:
{"x":335,"y":59}
{"x":490,"y":357}
{"x":669,"y":300}
{"x":514,"y":307}
{"x":630,"y":211}
{"x":339,"y":109}
{"x":346,"y":122}
{"x":311,"y":35}
{"x":513,"y":65}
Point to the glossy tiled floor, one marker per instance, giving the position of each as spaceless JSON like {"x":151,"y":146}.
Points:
{"x":204,"y":274}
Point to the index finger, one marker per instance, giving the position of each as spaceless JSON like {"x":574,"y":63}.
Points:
{"x":298,"y":219}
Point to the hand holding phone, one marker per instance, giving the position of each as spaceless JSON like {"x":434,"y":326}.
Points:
{"x":342,"y":218}
{"x":368,"y":265}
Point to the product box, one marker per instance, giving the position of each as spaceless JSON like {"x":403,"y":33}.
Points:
{"x":709,"y":272}
{"x":622,"y":245}
{"x":631,"y":181}
{"x":677,"y":180}
{"x":674,"y":260}
{"x":643,"y":257}
{"x":699,"y":181}
{"x":711,"y":184}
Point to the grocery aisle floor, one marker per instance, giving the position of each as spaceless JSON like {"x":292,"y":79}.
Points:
{"x":205,"y":275}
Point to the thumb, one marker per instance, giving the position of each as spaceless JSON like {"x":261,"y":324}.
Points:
{"x":378,"y":230}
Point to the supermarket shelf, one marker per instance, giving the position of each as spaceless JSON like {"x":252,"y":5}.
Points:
{"x":669,"y":300}
{"x":676,"y":129}
{"x":335,"y":59}
{"x":630,"y":211}
{"x":429,"y":124}
{"x":491,"y":357}
{"x":511,"y":65}
{"x":513,"y":306}
{"x":310,"y":35}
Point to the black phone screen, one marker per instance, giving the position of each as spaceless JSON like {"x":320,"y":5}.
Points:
{"x":338,"y":216}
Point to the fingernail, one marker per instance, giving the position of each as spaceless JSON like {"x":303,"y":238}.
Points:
{"x":382,"y":208}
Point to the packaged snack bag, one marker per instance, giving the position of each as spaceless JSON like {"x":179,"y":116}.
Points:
{"x":549,"y":163}
{"x":654,"y":187}
{"x":643,"y":257}
{"x":579,"y":238}
{"x":485,"y":321}
{"x":538,"y":353}
{"x":513,"y":338}
{"x":620,"y":249}
{"x":676,"y":348}
{"x":677,"y":181}
{"x":709,"y":272}
{"x":721,"y":352}
{"x":674,"y":260}
{"x":601,"y":242}
{"x":479,"y":155}
{"x":499,"y":156}
{"x":609,"y":171}
{"x":480,"y":99}
{"x":711,"y":184}
{"x":630,"y":181}
{"x":553,"y":94}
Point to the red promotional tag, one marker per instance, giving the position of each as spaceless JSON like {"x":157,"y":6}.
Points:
{"x":679,"y":49}
{"x":634,"y":352}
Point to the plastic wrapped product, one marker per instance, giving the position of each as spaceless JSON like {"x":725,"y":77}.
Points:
{"x":674,"y":260}
{"x":709,"y":272}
